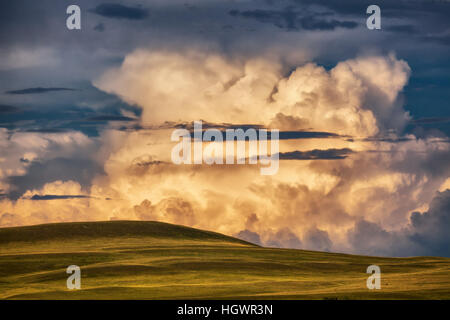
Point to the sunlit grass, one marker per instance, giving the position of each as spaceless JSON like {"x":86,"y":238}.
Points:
{"x":150,"y":260}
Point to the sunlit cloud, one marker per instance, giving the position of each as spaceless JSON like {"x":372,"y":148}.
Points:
{"x":330,"y":187}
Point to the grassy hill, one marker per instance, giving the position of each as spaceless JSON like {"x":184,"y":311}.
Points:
{"x":153,"y":260}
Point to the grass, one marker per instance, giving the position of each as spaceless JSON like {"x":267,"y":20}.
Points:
{"x":153,"y":260}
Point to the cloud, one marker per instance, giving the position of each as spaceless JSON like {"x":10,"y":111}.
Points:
{"x":312,"y":23}
{"x":306,"y":135}
{"x":316,"y":239}
{"x":426,"y":234}
{"x":249,"y":236}
{"x":430,"y":120}
{"x":6,"y":109}
{"x":30,"y":159}
{"x":48,"y":130}
{"x":25,"y":211}
{"x":38,"y":197}
{"x":38,"y":90}
{"x":403,"y":28}
{"x":283,"y":135}
{"x":322,"y":114}
{"x":330,"y":154}
{"x":442,"y":39}
{"x":119,"y":11}
{"x":172,"y":209}
{"x":343,"y":112}
{"x":222,"y":127}
{"x":392,"y":9}
{"x":370,"y":239}
{"x":99,"y":27}
{"x":360,"y":96}
{"x":110,"y":118}
{"x":430,"y":228}
{"x":291,"y":19}
{"x":14,"y":58}
{"x":39,"y":173}
{"x":284,"y":238}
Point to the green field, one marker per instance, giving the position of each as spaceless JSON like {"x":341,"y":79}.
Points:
{"x":153,"y":260}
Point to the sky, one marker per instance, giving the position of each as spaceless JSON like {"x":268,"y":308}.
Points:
{"x":86,"y":118}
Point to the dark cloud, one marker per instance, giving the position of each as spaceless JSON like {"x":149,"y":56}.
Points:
{"x":422,"y":19}
{"x":8,"y":109}
{"x":48,"y":130}
{"x":388,"y":139}
{"x":147,"y":163}
{"x":427,"y":235}
{"x":369,"y":238}
{"x":431,"y":228}
{"x":99,"y":27}
{"x":67,"y":117}
{"x":141,"y":165}
{"x":222,"y":127}
{"x":287,"y":135}
{"x":284,"y":238}
{"x":249,"y":236}
{"x":57,"y":197}
{"x":208,"y":125}
{"x":316,"y":154}
{"x":252,"y":219}
{"x":430,"y":120}
{"x":110,"y":118}
{"x":316,"y":239}
{"x":445,"y":40}
{"x":38,"y":90}
{"x":40,"y":173}
{"x":312,"y":23}
{"x":406,"y":28}
{"x":388,"y":8}
{"x":119,"y":11}
{"x":290,"y":19}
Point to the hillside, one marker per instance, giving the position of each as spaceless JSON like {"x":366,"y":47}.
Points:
{"x":109,"y":229}
{"x":153,"y":260}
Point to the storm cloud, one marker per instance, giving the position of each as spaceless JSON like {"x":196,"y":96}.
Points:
{"x":365,"y":108}
{"x":120,"y":11}
{"x":289,"y":19}
{"x":38,"y":90}
{"x":330,"y":154}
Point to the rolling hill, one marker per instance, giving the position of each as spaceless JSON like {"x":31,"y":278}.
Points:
{"x":154,"y":260}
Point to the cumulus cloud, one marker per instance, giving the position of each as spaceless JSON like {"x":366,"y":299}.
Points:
{"x":357,"y":97}
{"x":38,"y":157}
{"x":62,"y":208}
{"x":430,"y":228}
{"x":172,"y":209}
{"x":316,"y":239}
{"x":363,"y":190}
{"x":284,"y":238}
{"x":426,"y":233}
